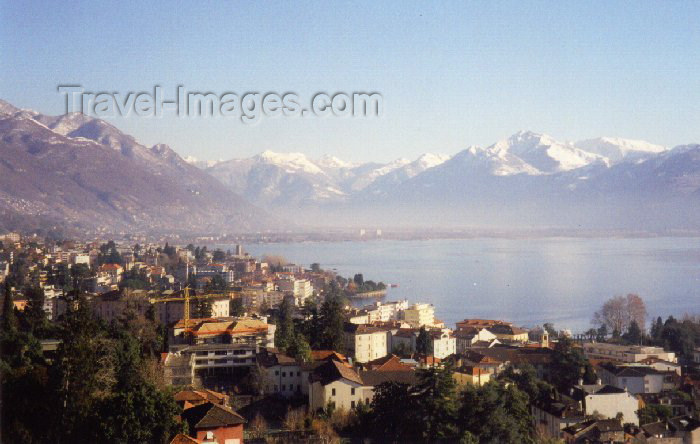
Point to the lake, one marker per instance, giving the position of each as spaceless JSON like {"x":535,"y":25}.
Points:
{"x":526,"y":281}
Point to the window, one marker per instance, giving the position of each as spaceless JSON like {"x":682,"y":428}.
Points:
{"x":275,"y":387}
{"x":298,"y":373}
{"x":332,"y":392}
{"x":277,"y":372}
{"x":352,"y":404}
{"x":284,"y":387}
{"x":284,"y":374}
{"x":352,"y":392}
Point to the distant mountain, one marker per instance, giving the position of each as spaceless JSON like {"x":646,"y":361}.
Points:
{"x":83,"y":173}
{"x":528,"y":179}
{"x":291,"y":179}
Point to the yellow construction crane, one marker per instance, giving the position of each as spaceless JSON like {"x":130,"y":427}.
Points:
{"x":186,"y":299}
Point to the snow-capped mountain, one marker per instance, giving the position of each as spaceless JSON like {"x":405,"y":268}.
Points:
{"x":272,"y":178}
{"x":615,"y":149}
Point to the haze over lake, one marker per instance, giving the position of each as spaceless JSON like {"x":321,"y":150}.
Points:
{"x":527,"y":281}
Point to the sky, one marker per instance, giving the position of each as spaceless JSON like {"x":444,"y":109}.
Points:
{"x":451,"y":74}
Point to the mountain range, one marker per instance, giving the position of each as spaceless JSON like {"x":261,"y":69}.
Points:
{"x":526,"y":180}
{"x":78,"y":171}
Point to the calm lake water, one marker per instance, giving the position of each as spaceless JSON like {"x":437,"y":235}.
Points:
{"x":529,"y":282}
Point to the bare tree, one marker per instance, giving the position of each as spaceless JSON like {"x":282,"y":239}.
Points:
{"x":618,"y":312}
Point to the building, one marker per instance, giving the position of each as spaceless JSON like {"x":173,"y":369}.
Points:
{"x":552,"y":416}
{"x":301,"y":289}
{"x":606,"y":400}
{"x":467,"y":337}
{"x":112,"y":305}
{"x":335,"y":384}
{"x":506,"y":332}
{"x":214,"y":423}
{"x":420,"y":315}
{"x":366,"y":343}
{"x":605,"y":430}
{"x":208,"y":365}
{"x":224,"y":330}
{"x":442,"y":344}
{"x":638,"y":378}
{"x":283,"y":374}
{"x":625,"y":353}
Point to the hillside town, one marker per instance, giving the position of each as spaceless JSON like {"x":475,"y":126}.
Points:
{"x":224,"y":347}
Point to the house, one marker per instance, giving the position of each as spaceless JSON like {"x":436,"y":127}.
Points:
{"x":472,"y":374}
{"x":283,"y":373}
{"x":506,"y":332}
{"x":389,"y":363}
{"x":593,"y":431}
{"x":679,"y":403}
{"x":224,"y":330}
{"x":467,"y":337}
{"x":442,"y":344}
{"x":183,"y":439}
{"x":366,"y":342}
{"x":552,"y":416}
{"x":638,"y":378}
{"x":625,"y":353}
{"x":214,"y":423}
{"x":112,"y":305}
{"x":680,"y":429}
{"x":607,"y":401}
{"x":334,"y":383}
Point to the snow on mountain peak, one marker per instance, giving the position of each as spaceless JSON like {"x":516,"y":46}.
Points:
{"x":544,"y":153}
{"x":329,"y":161}
{"x":616,"y":149}
{"x":290,"y":162}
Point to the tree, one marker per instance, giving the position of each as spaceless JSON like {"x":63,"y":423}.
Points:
{"x":495,"y":413}
{"x":316,"y":267}
{"x":284,"y":334}
{"x":358,"y":279}
{"x":236,"y":307}
{"x":332,"y":321}
{"x":653,"y":413}
{"x":299,"y":348}
{"x":618,"y":312}
{"x":200,"y":308}
{"x":549,"y":328}
{"x":219,"y":255}
{"x":634,"y":333}
{"x":423,"y":341}
{"x":569,"y":365}
{"x":437,"y":406}
{"x":391,"y":418}
{"x":34,"y":312}
{"x":217,"y":283}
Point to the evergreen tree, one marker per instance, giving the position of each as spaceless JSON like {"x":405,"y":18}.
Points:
{"x":332,"y":321}
{"x":423,"y":341}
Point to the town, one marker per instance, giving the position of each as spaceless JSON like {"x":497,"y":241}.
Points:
{"x":119,"y":342}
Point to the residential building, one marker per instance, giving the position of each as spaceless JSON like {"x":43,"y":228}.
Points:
{"x":283,"y":373}
{"x":366,"y":343}
{"x":605,"y":430}
{"x":334,"y":383}
{"x":625,"y":353}
{"x":552,"y":416}
{"x":214,"y":423}
{"x":208,"y":365}
{"x":420,"y":315}
{"x":505,"y":332}
{"x":606,"y":400}
{"x":442,"y":344}
{"x":467,"y":337}
{"x":224,"y":330}
{"x":638,"y":378}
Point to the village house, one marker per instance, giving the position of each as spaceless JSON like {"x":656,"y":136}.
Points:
{"x":214,"y":423}
{"x":551,"y":416}
{"x":335,"y":384}
{"x":604,"y":430}
{"x":638,"y":378}
{"x":469,"y":336}
{"x":606,"y":400}
{"x":283,"y":374}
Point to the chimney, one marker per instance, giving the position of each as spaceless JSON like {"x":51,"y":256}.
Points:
{"x":599,"y":381}
{"x":580,"y":381}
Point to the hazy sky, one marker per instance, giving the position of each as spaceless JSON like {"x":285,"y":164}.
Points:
{"x":451,"y":74}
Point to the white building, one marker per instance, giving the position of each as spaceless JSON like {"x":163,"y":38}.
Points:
{"x":638,"y":378}
{"x":366,"y":343}
{"x":625,"y":353}
{"x":608,"y":401}
{"x":419,"y":315}
{"x":336,"y":384}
